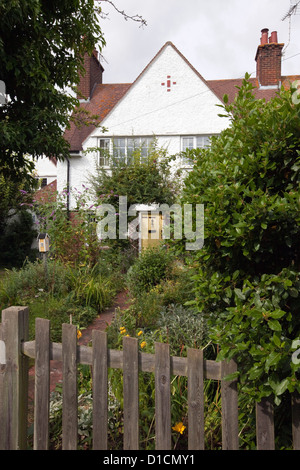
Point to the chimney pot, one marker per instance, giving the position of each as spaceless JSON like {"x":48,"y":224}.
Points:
{"x":264,"y":36}
{"x":268,"y":59}
{"x":274,"y":37}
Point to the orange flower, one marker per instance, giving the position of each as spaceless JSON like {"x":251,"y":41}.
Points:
{"x":179,"y":427}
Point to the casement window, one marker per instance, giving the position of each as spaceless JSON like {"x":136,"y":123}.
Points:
{"x":142,"y":144}
{"x":123,"y":148}
{"x":119,"y":148}
{"x":193,"y":142}
{"x":104,"y":145}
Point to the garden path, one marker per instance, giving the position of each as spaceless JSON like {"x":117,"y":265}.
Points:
{"x":100,"y":323}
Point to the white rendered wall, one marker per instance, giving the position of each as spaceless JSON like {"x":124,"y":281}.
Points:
{"x":148,"y":109}
{"x":189,"y":108}
{"x":45,"y":168}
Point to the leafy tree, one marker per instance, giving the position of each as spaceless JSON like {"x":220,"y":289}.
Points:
{"x":248,"y":277}
{"x":42,"y":44}
{"x":142,"y":180}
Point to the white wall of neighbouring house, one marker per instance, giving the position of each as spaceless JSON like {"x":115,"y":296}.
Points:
{"x":45,"y":169}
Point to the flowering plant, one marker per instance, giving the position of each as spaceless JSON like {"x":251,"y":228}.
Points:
{"x":73,"y":237}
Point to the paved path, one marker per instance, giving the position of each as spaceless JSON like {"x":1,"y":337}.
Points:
{"x":100,"y":323}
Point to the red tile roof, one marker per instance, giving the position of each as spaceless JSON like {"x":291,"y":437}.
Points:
{"x":104,"y":98}
{"x":47,"y":193}
{"x":229,"y":87}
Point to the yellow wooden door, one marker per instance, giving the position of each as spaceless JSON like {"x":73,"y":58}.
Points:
{"x":151,"y":230}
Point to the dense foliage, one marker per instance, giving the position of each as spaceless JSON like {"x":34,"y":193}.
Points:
{"x":142,"y":180}
{"x":150,"y":268}
{"x":16,"y":224}
{"x":138,"y":180}
{"x":41,"y":50}
{"x":247,"y":280}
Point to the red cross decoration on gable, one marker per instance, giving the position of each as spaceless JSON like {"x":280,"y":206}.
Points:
{"x":168,"y":83}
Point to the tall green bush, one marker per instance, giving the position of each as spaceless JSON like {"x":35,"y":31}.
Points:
{"x":247,"y":280}
{"x":151,"y":267}
{"x":143,"y":180}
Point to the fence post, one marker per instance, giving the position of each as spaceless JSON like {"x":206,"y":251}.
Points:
{"x":195,"y":399}
{"x":42,"y":384}
{"x":265,"y":425}
{"x":229,"y":394}
{"x":14,"y":396}
{"x":70,"y":397}
{"x":131,"y":393}
{"x":162,"y":397}
{"x":296,"y":420}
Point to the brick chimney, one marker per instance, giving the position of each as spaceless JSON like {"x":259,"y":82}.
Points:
{"x":92,"y":76}
{"x":268,"y":60}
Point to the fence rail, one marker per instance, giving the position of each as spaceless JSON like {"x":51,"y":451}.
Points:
{"x":15,"y":350}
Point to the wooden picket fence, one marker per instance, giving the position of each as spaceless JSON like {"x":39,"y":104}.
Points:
{"x":15,"y":351}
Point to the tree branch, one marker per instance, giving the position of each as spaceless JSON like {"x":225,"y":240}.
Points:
{"x":137,"y":18}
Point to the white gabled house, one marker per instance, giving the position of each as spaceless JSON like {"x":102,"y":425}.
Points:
{"x":169,"y":101}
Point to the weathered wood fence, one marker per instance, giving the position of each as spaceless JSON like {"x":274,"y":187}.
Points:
{"x":15,"y":351}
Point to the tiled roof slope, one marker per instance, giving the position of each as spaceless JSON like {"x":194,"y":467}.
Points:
{"x":47,"y":193}
{"x":104,"y":98}
{"x":229,"y":87}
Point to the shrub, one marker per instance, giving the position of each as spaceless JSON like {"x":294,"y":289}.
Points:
{"x":91,"y":288}
{"x":182,"y":328}
{"x":248,"y":270}
{"x":58,"y":293}
{"x":21,"y":284}
{"x":73,"y":238}
{"x":16,"y":240}
{"x":143,"y":180}
{"x":16,"y":223}
{"x":149,"y":269}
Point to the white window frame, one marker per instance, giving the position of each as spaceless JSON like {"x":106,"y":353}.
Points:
{"x":193,"y":142}
{"x":103,"y":151}
{"x":123,"y":147}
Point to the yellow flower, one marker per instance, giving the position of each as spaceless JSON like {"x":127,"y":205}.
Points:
{"x":122,"y":330}
{"x":79,"y":334}
{"x":179,"y":427}
{"x":143,"y":344}
{"x":140,"y":333}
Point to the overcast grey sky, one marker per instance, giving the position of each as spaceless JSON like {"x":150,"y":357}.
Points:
{"x":218,"y":37}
